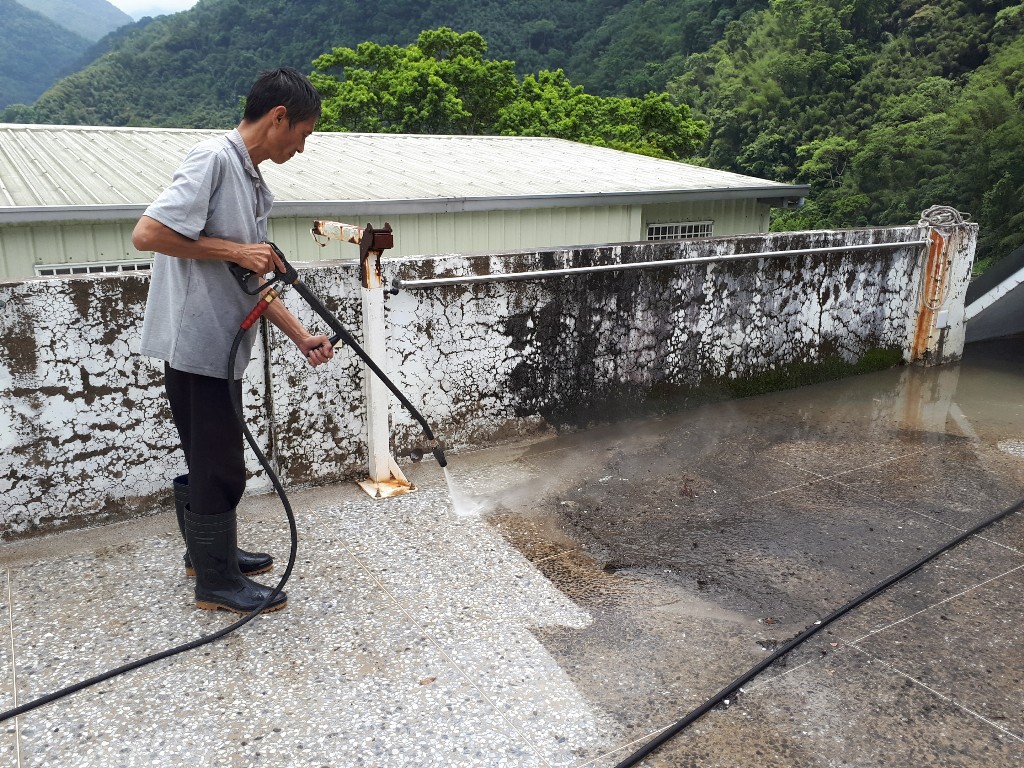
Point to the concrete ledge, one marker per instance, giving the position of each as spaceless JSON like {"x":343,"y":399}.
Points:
{"x":85,"y":435}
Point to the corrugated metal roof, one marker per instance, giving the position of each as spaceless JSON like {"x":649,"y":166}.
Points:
{"x":49,"y":171}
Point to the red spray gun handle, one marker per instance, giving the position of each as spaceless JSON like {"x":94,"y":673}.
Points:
{"x":290,"y":276}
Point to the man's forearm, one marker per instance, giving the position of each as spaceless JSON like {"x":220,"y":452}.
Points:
{"x":150,"y":235}
{"x":281,"y":316}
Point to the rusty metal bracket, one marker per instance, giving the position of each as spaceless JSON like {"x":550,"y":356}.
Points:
{"x":372,"y":244}
{"x":933,"y":290}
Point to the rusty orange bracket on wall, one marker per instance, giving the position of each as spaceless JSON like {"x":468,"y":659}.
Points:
{"x":933,"y":291}
{"x":372,"y":243}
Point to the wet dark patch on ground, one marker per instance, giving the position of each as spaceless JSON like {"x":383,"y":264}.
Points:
{"x":703,"y":540}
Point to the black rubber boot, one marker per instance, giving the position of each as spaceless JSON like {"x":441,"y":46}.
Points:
{"x":249,"y":563}
{"x":212,"y":541}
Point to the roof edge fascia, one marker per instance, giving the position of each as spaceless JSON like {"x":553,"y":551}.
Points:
{"x":315,"y":208}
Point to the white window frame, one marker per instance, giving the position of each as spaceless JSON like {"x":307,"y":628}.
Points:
{"x":91,"y":268}
{"x":680,"y":230}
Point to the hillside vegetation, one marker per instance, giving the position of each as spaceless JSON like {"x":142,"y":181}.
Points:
{"x":91,"y":19}
{"x":34,"y":52}
{"x":884,"y":107}
{"x":192,"y":69}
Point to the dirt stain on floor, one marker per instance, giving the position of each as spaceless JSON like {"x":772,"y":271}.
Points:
{"x":702,"y":540}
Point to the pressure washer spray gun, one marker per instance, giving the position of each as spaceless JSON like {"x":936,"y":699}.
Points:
{"x":371,"y":241}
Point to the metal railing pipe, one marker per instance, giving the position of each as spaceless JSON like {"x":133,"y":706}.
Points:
{"x":545,"y":273}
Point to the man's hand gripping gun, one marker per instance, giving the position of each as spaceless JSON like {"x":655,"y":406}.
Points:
{"x":370,"y":240}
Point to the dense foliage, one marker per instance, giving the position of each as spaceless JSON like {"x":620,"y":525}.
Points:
{"x":34,"y":52}
{"x":640,"y":47}
{"x":444,"y":84}
{"x":884,"y":106}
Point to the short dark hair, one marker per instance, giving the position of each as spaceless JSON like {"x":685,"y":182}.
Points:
{"x":284,"y":86}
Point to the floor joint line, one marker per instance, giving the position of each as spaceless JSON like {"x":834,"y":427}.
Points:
{"x":933,"y":605}
{"x":14,"y":666}
{"x":944,"y":697}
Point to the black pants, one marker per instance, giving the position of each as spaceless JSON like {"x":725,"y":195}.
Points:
{"x":210,"y":437}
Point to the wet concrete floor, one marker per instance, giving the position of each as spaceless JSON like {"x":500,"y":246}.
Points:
{"x":710,"y":537}
{"x":612,"y":581}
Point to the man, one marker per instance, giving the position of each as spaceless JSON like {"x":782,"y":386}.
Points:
{"x":214,"y":214}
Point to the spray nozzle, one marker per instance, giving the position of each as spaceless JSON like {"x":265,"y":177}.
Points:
{"x":416,"y":454}
{"x":439,"y":455}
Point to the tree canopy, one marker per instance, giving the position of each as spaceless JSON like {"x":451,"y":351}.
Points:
{"x":884,"y":107}
{"x":444,"y":83}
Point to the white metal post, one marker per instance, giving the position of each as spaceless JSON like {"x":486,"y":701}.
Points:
{"x":385,"y":477}
{"x":378,"y":420}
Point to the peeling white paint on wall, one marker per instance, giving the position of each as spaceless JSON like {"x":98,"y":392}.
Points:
{"x":494,"y":360}
{"x":86,"y":436}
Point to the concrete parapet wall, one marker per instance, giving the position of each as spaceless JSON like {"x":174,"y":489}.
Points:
{"x":85,"y":431}
{"x":494,"y":359}
{"x":86,"y":435}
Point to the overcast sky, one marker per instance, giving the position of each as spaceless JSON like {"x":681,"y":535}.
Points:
{"x":139,"y":8}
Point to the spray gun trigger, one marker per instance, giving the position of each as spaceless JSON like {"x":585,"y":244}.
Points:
{"x":241,"y":274}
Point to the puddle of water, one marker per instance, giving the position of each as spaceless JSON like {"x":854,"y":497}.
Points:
{"x":694,"y":607}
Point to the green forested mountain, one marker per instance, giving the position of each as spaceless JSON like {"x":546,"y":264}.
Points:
{"x":640,"y":46}
{"x":34,"y":52}
{"x":191,"y":69}
{"x":91,"y":19}
{"x":883,"y":106}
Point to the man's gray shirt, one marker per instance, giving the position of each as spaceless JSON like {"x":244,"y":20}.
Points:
{"x":195,"y":307}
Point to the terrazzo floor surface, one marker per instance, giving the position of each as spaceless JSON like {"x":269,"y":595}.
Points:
{"x":610,"y":582}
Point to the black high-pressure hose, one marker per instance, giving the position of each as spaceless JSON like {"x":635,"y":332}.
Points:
{"x":205,"y":639}
{"x":816,"y":627}
{"x":291,"y":276}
